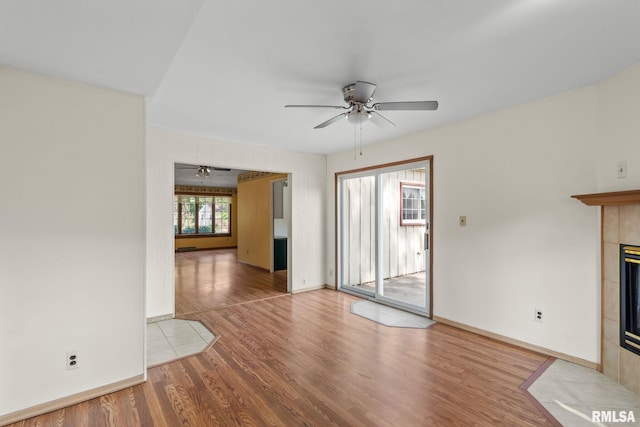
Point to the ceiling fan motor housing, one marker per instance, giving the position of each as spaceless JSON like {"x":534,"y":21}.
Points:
{"x":351,"y":96}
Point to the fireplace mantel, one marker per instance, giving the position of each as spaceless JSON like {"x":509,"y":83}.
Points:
{"x":616,"y":198}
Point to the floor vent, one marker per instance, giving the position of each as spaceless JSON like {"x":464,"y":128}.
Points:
{"x":186,"y":249}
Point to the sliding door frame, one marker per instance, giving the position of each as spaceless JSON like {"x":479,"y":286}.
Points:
{"x":430,"y":231}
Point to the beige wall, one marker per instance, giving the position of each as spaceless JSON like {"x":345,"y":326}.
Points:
{"x":214,"y":242}
{"x":254,"y":221}
{"x":619,"y":130}
{"x":72,"y":221}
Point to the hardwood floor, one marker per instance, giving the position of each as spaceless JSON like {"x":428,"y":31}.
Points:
{"x":304,"y":359}
{"x":210,"y":279}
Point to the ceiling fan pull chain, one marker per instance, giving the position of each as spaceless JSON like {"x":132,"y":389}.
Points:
{"x":355,"y":144}
{"x":361,"y":138}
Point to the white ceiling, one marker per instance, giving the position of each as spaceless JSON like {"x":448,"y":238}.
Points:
{"x":185,"y":174}
{"x":225,"y":70}
{"x":121,"y":44}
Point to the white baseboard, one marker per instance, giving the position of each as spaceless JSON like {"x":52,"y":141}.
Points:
{"x":312,"y":288}
{"x":63,"y":402}
{"x":518,"y":343}
{"x":159,"y":318}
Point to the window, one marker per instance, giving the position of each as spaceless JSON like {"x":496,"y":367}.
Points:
{"x":201,"y":214}
{"x":414,"y":205}
{"x":222,"y":214}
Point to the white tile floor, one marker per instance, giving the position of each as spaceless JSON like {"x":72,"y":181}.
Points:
{"x":572,"y":392}
{"x":389,"y":316}
{"x":175,"y":338}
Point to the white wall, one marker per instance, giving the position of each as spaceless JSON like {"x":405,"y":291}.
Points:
{"x":619,"y":130}
{"x":72,"y":237}
{"x":307,"y":186}
{"x":527,"y":244}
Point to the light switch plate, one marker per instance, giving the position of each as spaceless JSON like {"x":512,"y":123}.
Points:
{"x":622,"y":169}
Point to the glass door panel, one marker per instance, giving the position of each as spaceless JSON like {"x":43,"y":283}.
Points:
{"x":383,"y":223}
{"x":358,"y":231}
{"x":403,"y":226}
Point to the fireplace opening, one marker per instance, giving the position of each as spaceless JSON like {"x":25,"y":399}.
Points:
{"x":630,"y":298}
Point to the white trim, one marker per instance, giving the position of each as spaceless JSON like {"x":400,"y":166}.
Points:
{"x":63,"y":402}
{"x":160,"y":318}
{"x":518,"y":343}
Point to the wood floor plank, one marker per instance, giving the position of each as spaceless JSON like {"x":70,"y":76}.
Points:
{"x":214,"y":278}
{"x":304,"y":359}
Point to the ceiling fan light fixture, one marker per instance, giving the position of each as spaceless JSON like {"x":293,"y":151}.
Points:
{"x":203,"y":172}
{"x":358,"y":117}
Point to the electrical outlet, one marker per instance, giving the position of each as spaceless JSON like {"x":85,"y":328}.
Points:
{"x":72,"y":360}
{"x":538,"y":315}
{"x":463,"y":221}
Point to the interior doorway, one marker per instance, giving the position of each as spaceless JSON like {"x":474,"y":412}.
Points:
{"x":384,"y":234}
{"x":225,"y":221}
{"x":281,"y":218}
{"x":219,"y":251}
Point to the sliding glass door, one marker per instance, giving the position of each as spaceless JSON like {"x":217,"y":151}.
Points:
{"x":358,"y":229}
{"x":383,"y":227}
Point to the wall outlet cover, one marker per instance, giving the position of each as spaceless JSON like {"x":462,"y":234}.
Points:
{"x":538,"y":315}
{"x":72,"y":360}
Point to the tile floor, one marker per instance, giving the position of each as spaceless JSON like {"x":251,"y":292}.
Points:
{"x":175,"y":338}
{"x":389,"y":316}
{"x":571,"y":392}
{"x":411,"y":288}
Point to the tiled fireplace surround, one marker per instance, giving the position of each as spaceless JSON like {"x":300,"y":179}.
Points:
{"x":620,"y":225}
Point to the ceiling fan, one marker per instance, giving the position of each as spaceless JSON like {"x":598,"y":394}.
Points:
{"x":358,"y":96}
{"x":203,"y":171}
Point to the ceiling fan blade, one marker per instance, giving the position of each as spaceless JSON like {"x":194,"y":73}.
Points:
{"x":316,"y":106}
{"x":376,"y":119}
{"x":363,"y":92}
{"x":331,"y":120}
{"x":409,"y":105}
